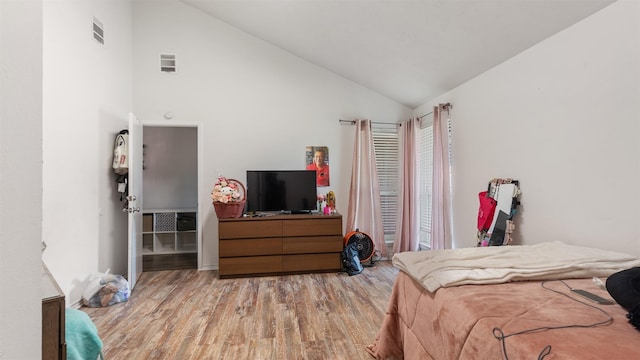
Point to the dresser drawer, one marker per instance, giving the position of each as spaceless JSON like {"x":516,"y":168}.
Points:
{"x":312,"y":244}
{"x":250,"y":265}
{"x":311,"y":262}
{"x":249,"y":229}
{"x":320,"y":226}
{"x":250,"y":247}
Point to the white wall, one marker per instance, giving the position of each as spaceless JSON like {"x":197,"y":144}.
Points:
{"x":170,"y":176}
{"x":21,"y":179}
{"x":86,"y":101}
{"x":259,"y":106}
{"x":562,"y":117}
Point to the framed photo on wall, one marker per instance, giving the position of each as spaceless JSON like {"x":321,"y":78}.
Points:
{"x":317,"y":158}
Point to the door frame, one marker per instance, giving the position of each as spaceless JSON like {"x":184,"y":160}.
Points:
{"x":199,"y":131}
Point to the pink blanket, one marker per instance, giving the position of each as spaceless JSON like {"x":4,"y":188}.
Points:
{"x":458,"y":323}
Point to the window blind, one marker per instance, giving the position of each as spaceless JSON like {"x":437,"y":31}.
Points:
{"x":425,"y":176}
{"x":385,"y":143}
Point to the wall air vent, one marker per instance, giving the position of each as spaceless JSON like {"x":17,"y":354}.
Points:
{"x":168,"y":63}
{"x":98,"y":31}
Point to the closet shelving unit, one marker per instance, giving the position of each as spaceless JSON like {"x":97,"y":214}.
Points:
{"x":169,"y":231}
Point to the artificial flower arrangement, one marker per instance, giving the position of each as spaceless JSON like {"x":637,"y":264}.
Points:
{"x":228,"y":198}
{"x":327,"y":203}
{"x":321,"y":199}
{"x":225,"y":191}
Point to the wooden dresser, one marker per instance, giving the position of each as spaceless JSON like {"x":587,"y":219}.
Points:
{"x":53,"y":318}
{"x":279,"y":244}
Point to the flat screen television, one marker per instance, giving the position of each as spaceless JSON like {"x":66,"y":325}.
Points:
{"x":281,"y":191}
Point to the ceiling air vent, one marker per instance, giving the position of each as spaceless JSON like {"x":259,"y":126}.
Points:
{"x":168,"y":62}
{"x":98,"y":31}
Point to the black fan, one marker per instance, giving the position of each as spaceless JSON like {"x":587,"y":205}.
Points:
{"x":364,"y":244}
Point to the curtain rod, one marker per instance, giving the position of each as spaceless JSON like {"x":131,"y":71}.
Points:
{"x":353,"y":122}
{"x":446,"y":106}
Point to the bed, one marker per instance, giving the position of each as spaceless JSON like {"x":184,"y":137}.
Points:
{"x":473,"y":303}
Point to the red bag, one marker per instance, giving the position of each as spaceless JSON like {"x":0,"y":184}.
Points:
{"x":486,"y":211}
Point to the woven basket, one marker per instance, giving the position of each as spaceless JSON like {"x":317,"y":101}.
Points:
{"x":234,"y":209}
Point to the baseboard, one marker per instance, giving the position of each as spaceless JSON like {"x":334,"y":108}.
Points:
{"x":209,"y":268}
{"x":76,"y":305}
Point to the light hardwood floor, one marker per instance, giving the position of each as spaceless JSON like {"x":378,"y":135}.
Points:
{"x":189,"y":314}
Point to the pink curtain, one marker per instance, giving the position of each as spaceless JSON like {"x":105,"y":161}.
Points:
{"x":441,"y":197}
{"x":364,"y":211}
{"x":408,"y":222}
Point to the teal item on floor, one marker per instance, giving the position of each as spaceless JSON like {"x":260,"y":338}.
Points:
{"x":81,"y":335}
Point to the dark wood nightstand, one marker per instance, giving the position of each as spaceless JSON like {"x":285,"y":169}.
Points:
{"x":53,"y":323}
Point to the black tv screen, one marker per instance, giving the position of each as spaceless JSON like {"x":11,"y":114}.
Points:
{"x":281,"y":190}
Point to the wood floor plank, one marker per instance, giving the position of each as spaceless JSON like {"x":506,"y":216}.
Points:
{"x":190,"y":314}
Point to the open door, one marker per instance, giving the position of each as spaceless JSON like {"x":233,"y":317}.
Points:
{"x":135,"y":200}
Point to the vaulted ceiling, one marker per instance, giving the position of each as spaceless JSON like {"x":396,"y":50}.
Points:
{"x":409,"y":51}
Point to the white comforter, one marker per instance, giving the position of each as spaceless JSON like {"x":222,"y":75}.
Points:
{"x":499,"y":264}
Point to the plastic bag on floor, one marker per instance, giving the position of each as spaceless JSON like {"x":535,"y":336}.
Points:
{"x":105,"y":290}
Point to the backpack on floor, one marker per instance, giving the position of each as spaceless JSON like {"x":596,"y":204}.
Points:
{"x":351,"y":260}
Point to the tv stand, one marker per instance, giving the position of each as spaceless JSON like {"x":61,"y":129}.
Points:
{"x":279,"y":244}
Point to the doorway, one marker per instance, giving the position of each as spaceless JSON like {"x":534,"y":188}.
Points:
{"x":171,"y":228}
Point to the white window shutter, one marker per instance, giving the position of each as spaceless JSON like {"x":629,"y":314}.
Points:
{"x":386,"y":147}
{"x":425,"y":176}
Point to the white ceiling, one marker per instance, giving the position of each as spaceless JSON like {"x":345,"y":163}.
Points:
{"x":409,"y":51}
